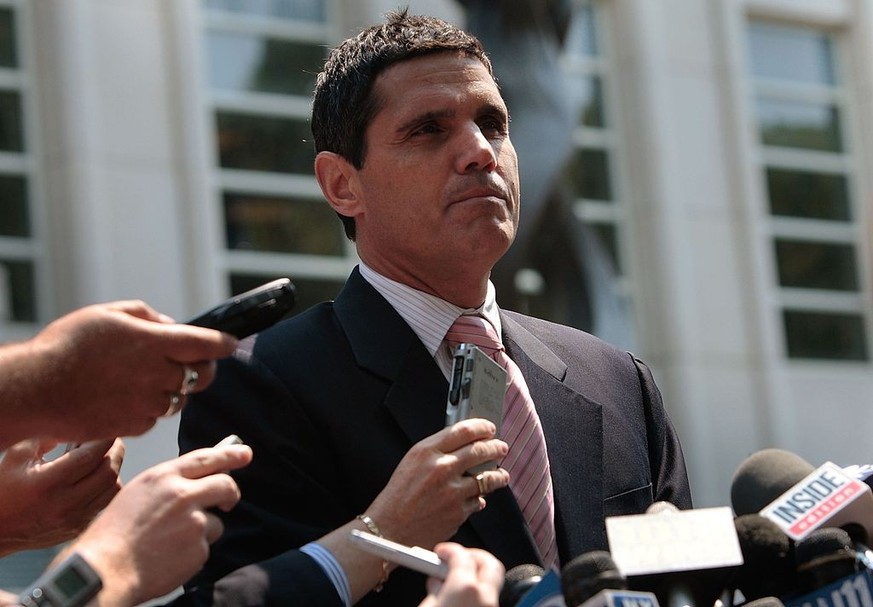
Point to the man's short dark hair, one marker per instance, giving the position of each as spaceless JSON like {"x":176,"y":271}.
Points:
{"x":343,"y":105}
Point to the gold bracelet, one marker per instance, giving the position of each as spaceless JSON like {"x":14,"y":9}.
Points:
{"x":373,"y":528}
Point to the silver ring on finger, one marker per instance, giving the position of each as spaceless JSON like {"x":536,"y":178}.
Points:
{"x":189,"y":380}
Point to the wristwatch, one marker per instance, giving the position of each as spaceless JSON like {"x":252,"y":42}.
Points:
{"x":70,"y":584}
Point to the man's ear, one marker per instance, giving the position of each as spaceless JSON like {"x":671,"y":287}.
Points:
{"x":336,"y":175}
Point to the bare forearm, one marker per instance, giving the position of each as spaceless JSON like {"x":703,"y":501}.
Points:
{"x":24,"y":371}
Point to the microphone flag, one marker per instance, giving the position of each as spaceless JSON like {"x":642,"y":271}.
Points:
{"x":855,"y":590}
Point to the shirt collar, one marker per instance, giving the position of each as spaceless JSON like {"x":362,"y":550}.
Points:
{"x":429,"y":316}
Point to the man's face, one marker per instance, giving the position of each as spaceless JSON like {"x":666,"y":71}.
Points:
{"x":439,"y":182}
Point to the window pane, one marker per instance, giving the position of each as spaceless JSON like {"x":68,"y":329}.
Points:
{"x":810,"y":195}
{"x":791,"y":53}
{"x":607,"y":234}
{"x":10,"y":122}
{"x":14,"y":215}
{"x":8,"y":55}
{"x":260,"y":143}
{"x":582,"y":35}
{"x":800,"y":125}
{"x":589,"y":175}
{"x":591,"y":94}
{"x":285,"y":225}
{"x":816,"y":265}
{"x":19,"y":295}
{"x":268,"y":65}
{"x":309,"y":291}
{"x":301,"y":10}
{"x":826,"y":336}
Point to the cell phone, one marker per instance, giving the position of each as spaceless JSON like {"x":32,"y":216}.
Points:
{"x":250,"y":312}
{"x":413,"y":557}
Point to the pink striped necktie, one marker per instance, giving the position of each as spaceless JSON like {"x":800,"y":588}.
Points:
{"x":527,"y":461}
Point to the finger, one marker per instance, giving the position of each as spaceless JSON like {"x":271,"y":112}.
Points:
{"x":190,"y":344}
{"x":87,"y":457}
{"x":447,"y":550}
{"x":172,"y":403}
{"x":176,"y":378}
{"x":211,"y":460}
{"x":488,"y":481}
{"x":216,"y":491}
{"x":138,"y":309}
{"x":214,"y":528}
{"x":172,"y":375}
{"x":433,"y":586}
{"x":24,"y":451}
{"x":491,"y":570}
{"x":463,"y":433}
{"x":460,"y":561}
{"x":100,"y":495}
{"x":473,"y":505}
{"x":480,"y":452}
{"x":205,"y":374}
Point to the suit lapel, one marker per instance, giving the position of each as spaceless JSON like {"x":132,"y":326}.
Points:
{"x":573,"y":427}
{"x":385,"y":345}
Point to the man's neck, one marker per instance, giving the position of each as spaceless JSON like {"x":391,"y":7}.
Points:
{"x":465,"y":289}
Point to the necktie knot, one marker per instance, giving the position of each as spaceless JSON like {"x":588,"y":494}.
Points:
{"x":474,"y":330}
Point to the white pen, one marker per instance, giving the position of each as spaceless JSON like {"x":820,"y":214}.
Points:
{"x":414,"y":557}
{"x":230,"y":439}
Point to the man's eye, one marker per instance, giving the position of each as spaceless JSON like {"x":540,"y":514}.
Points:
{"x":494,"y":126}
{"x":426,"y":129}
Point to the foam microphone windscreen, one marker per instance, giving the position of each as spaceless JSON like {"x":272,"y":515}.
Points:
{"x":588,"y":574}
{"x":766,"y":601}
{"x":661,"y":508}
{"x":764,"y":476}
{"x":517,"y":582}
{"x":768,"y":558}
{"x":824,"y":556}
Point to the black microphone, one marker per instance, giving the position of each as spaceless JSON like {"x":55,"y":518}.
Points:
{"x":588,"y":574}
{"x":517,"y":582}
{"x":592,"y":579}
{"x":765,"y":601}
{"x":824,"y":556}
{"x":769,"y":568}
{"x":764,"y":476}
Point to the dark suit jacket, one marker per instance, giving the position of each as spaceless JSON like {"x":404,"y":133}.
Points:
{"x":332,"y":399}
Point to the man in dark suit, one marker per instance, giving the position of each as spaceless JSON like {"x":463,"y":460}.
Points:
{"x":344,"y":404}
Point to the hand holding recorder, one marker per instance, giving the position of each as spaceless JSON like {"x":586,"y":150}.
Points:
{"x":165,"y":510}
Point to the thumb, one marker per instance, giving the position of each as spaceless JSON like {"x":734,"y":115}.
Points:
{"x":29,"y":450}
